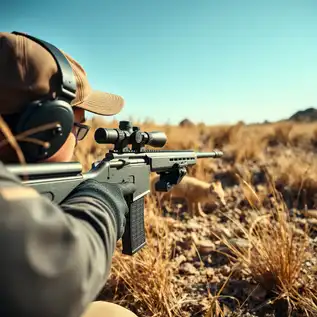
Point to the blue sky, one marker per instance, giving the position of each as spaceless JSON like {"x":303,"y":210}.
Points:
{"x":207,"y":60}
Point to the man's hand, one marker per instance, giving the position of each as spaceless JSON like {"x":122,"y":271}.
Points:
{"x":113,"y":197}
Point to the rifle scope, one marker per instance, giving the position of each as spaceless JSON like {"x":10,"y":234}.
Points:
{"x":127,"y":134}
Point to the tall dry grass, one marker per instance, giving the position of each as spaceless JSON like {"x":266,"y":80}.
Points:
{"x":276,"y":257}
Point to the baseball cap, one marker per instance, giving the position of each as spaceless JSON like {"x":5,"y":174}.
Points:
{"x":29,"y":72}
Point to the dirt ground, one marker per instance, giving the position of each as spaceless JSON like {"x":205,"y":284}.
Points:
{"x":256,"y":256}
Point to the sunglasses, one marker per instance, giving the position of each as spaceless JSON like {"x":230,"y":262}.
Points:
{"x":80,"y":130}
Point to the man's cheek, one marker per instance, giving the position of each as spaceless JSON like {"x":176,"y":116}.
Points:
{"x":65,"y":153}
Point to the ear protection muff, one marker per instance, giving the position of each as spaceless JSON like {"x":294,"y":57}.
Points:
{"x":46,"y":124}
{"x":51,"y":121}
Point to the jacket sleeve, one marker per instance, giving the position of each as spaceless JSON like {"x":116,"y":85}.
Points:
{"x":55,"y":260}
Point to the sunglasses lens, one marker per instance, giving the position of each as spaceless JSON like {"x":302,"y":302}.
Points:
{"x":81,"y":133}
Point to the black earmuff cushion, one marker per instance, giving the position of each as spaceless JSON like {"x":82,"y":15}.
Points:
{"x":54,"y":119}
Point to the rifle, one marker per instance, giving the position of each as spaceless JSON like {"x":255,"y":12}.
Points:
{"x":123,"y":164}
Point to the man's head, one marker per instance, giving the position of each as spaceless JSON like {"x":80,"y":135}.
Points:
{"x":29,"y":72}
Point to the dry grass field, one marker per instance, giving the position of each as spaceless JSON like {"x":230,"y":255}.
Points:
{"x":253,"y":257}
{"x":256,"y":256}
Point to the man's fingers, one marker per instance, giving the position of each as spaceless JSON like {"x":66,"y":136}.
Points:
{"x":127,"y":188}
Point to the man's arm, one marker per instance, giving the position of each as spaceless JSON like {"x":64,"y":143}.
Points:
{"x":54,"y":260}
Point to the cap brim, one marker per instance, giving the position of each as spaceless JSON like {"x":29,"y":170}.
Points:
{"x":102,"y":103}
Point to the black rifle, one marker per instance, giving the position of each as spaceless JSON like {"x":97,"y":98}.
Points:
{"x":123,"y":164}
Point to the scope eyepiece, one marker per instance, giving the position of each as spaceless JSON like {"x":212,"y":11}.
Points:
{"x":107,"y":136}
{"x":126,"y":134}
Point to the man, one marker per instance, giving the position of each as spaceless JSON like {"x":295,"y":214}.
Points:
{"x":54,"y":259}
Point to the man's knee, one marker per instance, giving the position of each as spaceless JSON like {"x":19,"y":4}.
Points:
{"x":106,"y":309}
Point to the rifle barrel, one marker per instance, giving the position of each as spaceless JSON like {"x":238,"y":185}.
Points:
{"x":213,"y":154}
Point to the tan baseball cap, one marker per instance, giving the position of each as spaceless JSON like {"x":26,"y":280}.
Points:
{"x":29,"y":72}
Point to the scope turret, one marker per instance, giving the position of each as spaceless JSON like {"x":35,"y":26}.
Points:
{"x":128,"y":134}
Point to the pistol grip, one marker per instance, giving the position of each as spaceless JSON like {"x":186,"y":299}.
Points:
{"x":133,"y":238}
